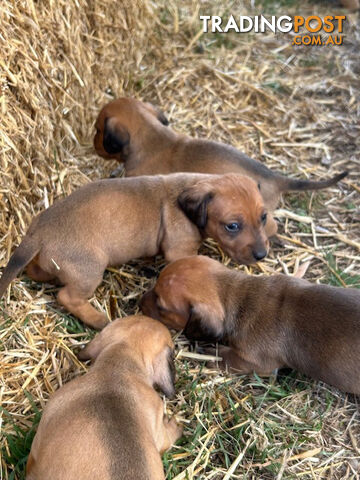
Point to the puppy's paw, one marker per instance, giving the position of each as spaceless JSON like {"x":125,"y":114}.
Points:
{"x":175,"y":428}
{"x":102,"y":322}
{"x":82,"y":355}
{"x":98,"y":320}
{"x":211,"y":356}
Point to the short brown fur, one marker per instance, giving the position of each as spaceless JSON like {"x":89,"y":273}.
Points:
{"x":137,"y":134}
{"x":110,"y":222}
{"x":110,"y":423}
{"x":266,"y":322}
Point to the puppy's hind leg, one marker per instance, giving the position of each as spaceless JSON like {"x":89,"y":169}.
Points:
{"x":76,"y":302}
{"x":34,"y":271}
{"x":78,"y":287}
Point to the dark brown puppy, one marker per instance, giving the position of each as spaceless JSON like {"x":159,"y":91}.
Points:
{"x":110,"y":423}
{"x":267,"y":322}
{"x":110,"y":222}
{"x":136,"y":133}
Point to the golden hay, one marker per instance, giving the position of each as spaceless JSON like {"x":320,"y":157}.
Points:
{"x":294,"y":109}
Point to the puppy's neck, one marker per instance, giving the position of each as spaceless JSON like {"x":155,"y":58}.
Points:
{"x":237,"y":294}
{"x":118,"y":361}
{"x":148,"y":144}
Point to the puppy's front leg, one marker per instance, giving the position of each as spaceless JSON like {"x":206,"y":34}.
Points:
{"x":181,"y":240}
{"x":177,"y":251}
{"x":172,"y":432}
{"x":234,"y":362}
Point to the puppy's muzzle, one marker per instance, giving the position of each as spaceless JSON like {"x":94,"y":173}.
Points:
{"x":259,"y":254}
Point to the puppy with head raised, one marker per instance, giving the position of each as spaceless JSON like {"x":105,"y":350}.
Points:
{"x":137,"y":134}
{"x":110,"y":423}
{"x":266,"y":322}
{"x":110,"y":222}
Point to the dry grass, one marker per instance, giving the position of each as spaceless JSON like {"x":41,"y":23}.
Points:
{"x":295,"y":109}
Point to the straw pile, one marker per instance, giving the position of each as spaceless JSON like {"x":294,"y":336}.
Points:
{"x":296,"y":109}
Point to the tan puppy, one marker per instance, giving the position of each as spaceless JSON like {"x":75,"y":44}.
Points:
{"x":267,"y":322}
{"x":110,"y":423}
{"x":136,"y":133}
{"x":110,"y":222}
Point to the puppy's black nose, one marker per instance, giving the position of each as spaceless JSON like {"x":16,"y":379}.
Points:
{"x":259,"y":254}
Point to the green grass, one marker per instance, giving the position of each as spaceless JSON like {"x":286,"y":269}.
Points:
{"x":5,"y":323}
{"x":350,"y":206}
{"x":72,"y":324}
{"x":268,"y":416}
{"x":299,"y":203}
{"x":350,"y":279}
{"x":276,"y":86}
{"x":227,"y":415}
{"x":223,"y":40}
{"x":19,"y":440}
{"x":309,"y":62}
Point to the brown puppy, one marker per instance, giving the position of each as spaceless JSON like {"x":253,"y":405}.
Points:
{"x":110,"y":423}
{"x":110,"y":222}
{"x":136,"y":133}
{"x":267,"y":322}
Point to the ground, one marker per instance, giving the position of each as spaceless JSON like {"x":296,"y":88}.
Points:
{"x":294,"y":108}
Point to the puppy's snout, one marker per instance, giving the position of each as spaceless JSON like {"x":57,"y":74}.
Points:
{"x":259,"y":254}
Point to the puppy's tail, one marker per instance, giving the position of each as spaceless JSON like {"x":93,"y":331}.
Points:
{"x":288,"y":184}
{"x":23,"y":254}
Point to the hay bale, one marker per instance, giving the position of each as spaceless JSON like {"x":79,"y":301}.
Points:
{"x":60,"y":61}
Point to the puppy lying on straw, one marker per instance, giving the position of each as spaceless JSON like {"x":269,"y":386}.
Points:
{"x":110,"y":222}
{"x":266,"y":322}
{"x":110,"y":423}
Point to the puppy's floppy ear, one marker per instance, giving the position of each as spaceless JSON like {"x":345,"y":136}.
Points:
{"x":194,"y":202}
{"x":164,"y":372}
{"x":92,"y":349}
{"x":205,"y":323}
{"x":271,"y":226}
{"x":116,"y":137}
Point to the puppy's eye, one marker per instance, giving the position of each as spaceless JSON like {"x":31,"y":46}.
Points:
{"x":263,"y":218}
{"x":233,"y":227}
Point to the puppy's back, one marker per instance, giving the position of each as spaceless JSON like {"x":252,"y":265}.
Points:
{"x":88,"y":434}
{"x":124,"y":438}
{"x":323,"y":325}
